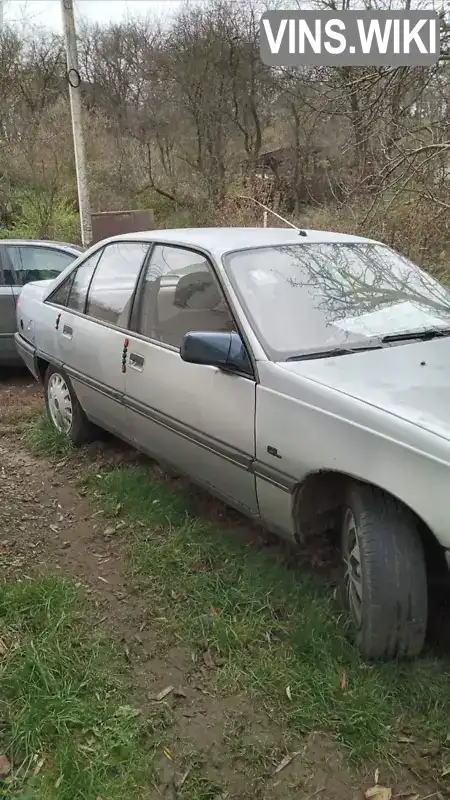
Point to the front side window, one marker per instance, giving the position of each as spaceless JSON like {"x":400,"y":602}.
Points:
{"x":314,"y":297}
{"x":32,"y":263}
{"x":180,"y":294}
{"x":71,"y":293}
{"x":112,"y":289}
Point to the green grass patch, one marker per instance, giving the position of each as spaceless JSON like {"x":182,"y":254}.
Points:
{"x":62,"y":706}
{"x":42,"y":439}
{"x":276,"y":634}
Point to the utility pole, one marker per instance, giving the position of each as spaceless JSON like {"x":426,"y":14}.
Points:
{"x":76,"y":110}
{"x":1,"y":16}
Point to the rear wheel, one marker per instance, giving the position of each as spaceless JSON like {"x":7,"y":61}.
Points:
{"x":385,"y":575}
{"x":63,"y":408}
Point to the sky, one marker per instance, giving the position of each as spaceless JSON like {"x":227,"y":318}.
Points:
{"x":23,"y":13}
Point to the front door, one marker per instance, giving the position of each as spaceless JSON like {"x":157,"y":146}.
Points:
{"x":92,"y":329}
{"x":197,"y":418}
{"x":7,"y":313}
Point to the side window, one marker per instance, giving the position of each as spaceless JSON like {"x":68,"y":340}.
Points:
{"x":72,"y":292}
{"x":37,"y":263}
{"x":80,"y":283}
{"x":61,"y":296}
{"x":112,"y":288}
{"x":13,"y":265}
{"x":180,"y":293}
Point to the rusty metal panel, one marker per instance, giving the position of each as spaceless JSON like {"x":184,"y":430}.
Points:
{"x":113,"y":223}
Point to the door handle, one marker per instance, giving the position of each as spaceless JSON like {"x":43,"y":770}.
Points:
{"x":67,"y":331}
{"x":137,"y":362}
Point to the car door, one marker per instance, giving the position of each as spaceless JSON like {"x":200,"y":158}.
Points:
{"x":197,"y":418}
{"x":7,"y":311}
{"x":92,"y":329}
{"x":31,"y":262}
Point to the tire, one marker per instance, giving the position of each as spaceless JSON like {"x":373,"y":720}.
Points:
{"x":63,"y":408}
{"x":391,"y":620}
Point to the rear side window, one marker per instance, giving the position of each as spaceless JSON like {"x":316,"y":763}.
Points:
{"x":30,"y":263}
{"x":72,"y":292}
{"x":112,"y":289}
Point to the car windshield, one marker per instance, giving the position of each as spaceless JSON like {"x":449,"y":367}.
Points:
{"x":319,"y":296}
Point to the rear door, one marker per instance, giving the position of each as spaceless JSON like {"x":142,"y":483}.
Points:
{"x":92,"y":328}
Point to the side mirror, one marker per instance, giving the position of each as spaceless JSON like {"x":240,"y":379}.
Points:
{"x":224,"y":350}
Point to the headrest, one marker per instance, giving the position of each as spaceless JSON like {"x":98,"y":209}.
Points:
{"x":198,"y":291}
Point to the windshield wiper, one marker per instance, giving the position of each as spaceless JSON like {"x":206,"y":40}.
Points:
{"x":421,"y":335}
{"x":335,"y":351}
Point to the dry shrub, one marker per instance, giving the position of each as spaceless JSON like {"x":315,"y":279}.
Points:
{"x":416,"y":226}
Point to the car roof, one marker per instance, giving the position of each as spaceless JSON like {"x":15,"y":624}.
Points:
{"x":219,"y":241}
{"x":44,"y":243}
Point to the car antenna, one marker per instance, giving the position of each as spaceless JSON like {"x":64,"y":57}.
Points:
{"x":266,"y":208}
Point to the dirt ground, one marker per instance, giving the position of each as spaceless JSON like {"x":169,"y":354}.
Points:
{"x":47,"y":525}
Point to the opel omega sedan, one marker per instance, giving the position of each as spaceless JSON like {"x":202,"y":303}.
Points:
{"x":302,"y":377}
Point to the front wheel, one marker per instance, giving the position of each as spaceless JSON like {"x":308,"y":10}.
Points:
{"x":385,"y":575}
{"x":63,"y":408}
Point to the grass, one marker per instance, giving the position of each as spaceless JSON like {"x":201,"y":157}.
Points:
{"x":275,"y":634}
{"x":42,"y":439}
{"x":280,"y":639}
{"x":63,"y":708}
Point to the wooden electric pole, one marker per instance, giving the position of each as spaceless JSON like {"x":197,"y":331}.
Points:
{"x":76,"y":110}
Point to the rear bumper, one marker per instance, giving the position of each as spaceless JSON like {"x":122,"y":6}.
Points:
{"x":27,"y":353}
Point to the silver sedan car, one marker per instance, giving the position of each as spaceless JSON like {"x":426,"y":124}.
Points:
{"x":302,"y":377}
{"x":21,"y":261}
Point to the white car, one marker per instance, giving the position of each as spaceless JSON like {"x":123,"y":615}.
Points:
{"x":303,"y":377}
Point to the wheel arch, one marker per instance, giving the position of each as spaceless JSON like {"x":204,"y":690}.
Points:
{"x":318,"y":502}
{"x":41,"y":367}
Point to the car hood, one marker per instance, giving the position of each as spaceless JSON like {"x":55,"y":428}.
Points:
{"x":410,"y":381}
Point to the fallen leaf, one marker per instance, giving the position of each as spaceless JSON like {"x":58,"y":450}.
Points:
{"x":288,"y":693}
{"x":163,"y":693}
{"x":406,"y":740}
{"x":378,"y":793}
{"x":59,"y":782}
{"x":168,"y":754}
{"x":377,"y":776}
{"x":102,"y":579}
{"x":286,"y":760}
{"x":343,"y":682}
{"x":179,"y":692}
{"x":39,"y":766}
{"x":215,"y":612}
{"x":5,"y":767}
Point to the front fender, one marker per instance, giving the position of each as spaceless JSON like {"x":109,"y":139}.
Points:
{"x":317,"y":431}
